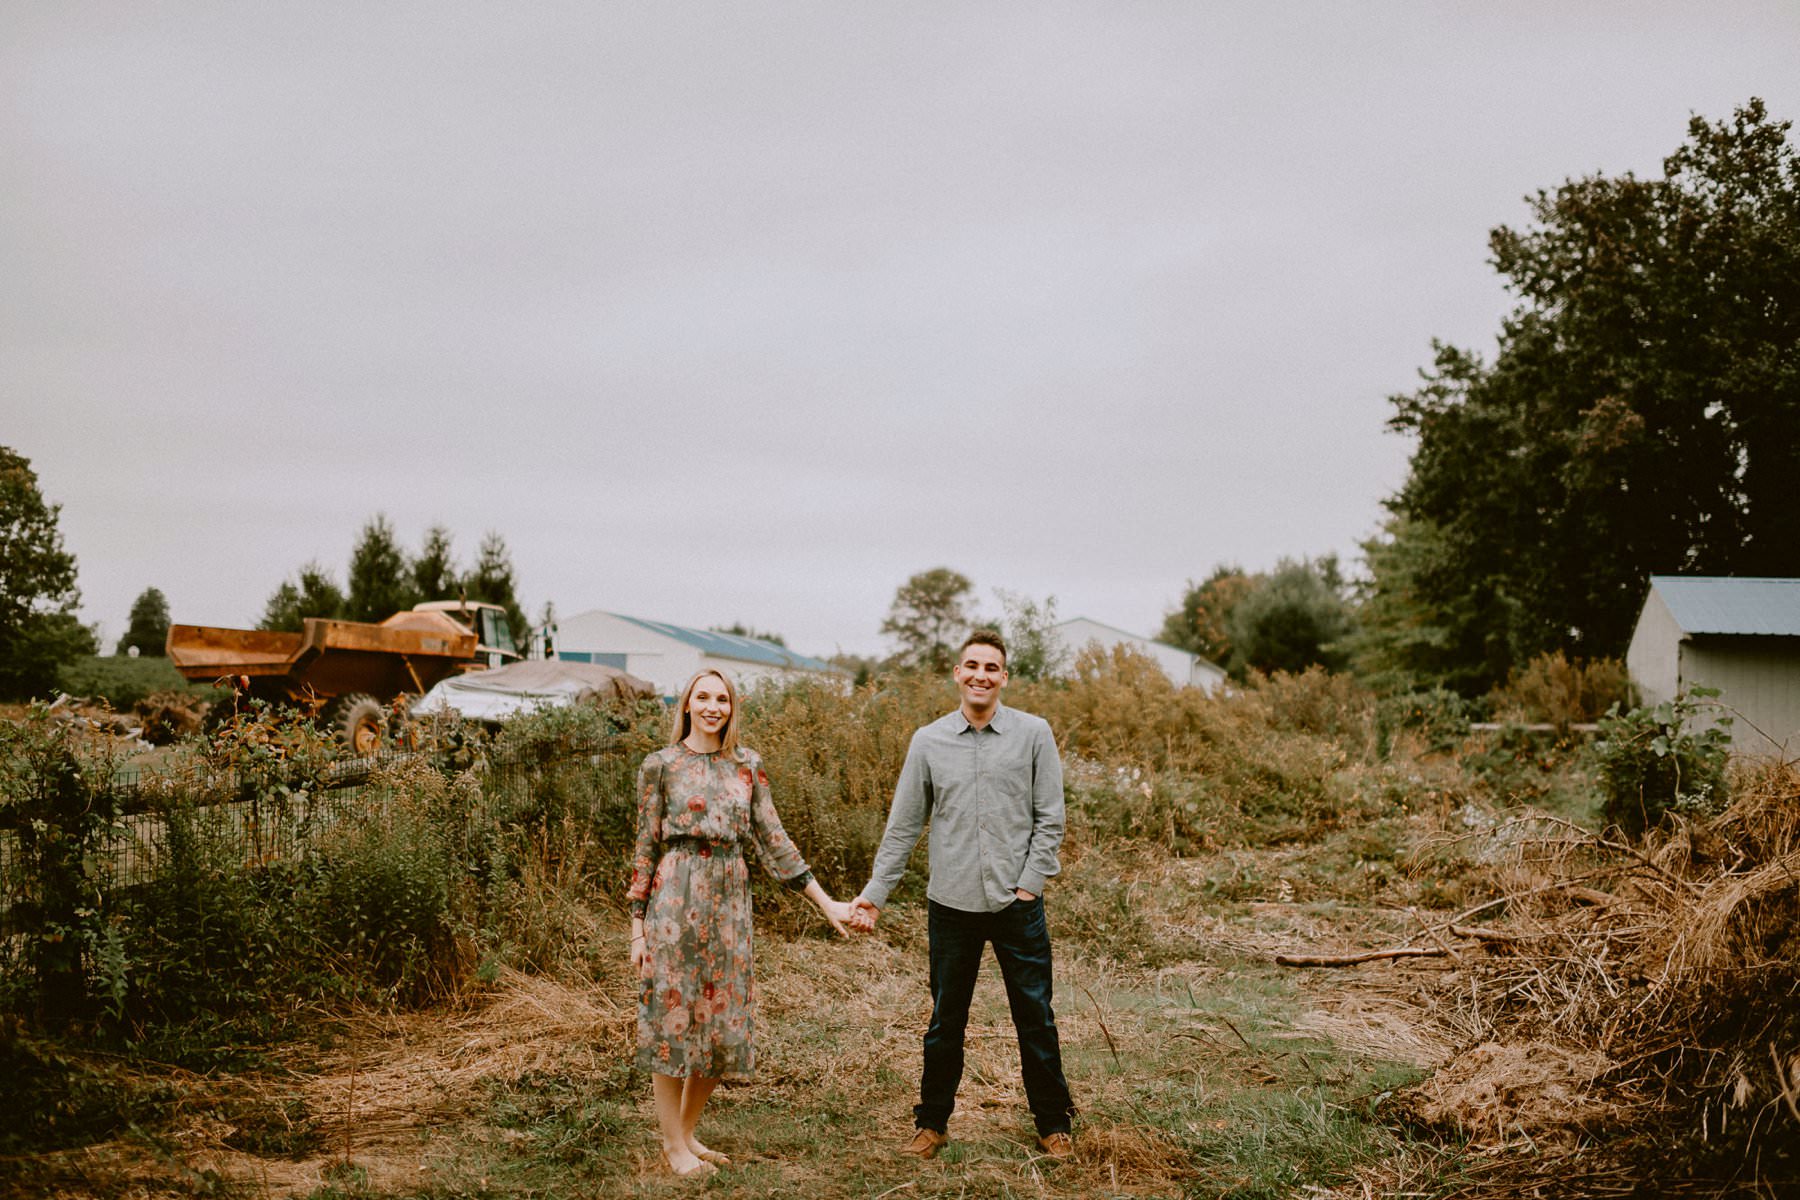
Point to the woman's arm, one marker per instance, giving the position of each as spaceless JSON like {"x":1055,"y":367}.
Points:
{"x":836,"y":911}
{"x":643,"y":858}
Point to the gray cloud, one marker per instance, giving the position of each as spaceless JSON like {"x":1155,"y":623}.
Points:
{"x":748,"y":312}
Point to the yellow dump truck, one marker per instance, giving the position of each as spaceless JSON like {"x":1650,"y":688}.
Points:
{"x":348,"y":671}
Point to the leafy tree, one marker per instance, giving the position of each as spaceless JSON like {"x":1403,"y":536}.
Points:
{"x":929,"y":617}
{"x":434,"y":570}
{"x":381,"y":580}
{"x":492,"y":581}
{"x":1201,"y":624}
{"x":1642,"y":415}
{"x":739,"y":629}
{"x":39,"y":629}
{"x":1293,"y":618}
{"x":148,"y":628}
{"x":1033,"y":651}
{"x":313,"y":593}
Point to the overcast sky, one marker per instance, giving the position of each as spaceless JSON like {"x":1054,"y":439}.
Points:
{"x":747,"y":312}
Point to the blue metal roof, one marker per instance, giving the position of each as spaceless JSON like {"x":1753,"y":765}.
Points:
{"x":731,"y":645}
{"x":1717,"y":604}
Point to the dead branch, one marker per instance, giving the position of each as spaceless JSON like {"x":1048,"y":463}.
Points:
{"x":1350,"y":960}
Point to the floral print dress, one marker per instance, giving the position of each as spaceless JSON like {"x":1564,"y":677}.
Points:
{"x":696,"y":814}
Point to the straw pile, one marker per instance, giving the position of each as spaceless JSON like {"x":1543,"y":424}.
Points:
{"x":1634,"y":1014}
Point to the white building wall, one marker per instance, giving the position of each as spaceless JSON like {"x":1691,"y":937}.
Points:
{"x":666,"y":662}
{"x":1653,"y":659}
{"x":1182,"y":668}
{"x":1759,"y":684}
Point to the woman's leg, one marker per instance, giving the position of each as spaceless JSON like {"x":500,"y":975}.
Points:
{"x":668,"y":1091}
{"x":694,"y":1093}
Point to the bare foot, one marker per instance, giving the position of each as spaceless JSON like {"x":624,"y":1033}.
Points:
{"x":706,"y":1153}
{"x":686,"y":1163}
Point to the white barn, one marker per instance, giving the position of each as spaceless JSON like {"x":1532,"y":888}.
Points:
{"x":1182,"y":668}
{"x":669,"y":655}
{"x":1741,"y":636}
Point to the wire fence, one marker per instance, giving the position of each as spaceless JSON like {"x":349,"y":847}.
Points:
{"x":259,"y":820}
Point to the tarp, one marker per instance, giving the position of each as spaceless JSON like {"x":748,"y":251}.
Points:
{"x":501,"y":692}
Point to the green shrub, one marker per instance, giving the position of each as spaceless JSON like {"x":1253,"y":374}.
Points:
{"x":58,"y":807}
{"x":383,"y":887}
{"x":1656,"y":759}
{"x":122,"y":681}
{"x":1437,"y":719}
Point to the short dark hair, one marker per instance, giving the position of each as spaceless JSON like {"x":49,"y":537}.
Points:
{"x":984,"y":637}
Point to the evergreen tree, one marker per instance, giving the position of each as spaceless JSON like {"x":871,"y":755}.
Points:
{"x":492,"y":581}
{"x":381,"y":580}
{"x":434,"y":570}
{"x":148,"y":628}
{"x":313,"y":593}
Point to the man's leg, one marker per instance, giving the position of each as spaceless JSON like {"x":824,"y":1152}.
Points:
{"x":1022,"y":944}
{"x":957,"y":940}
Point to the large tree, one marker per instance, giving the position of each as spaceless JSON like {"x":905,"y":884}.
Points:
{"x":311,"y":593}
{"x":493,"y":581}
{"x":434,"y":570}
{"x":148,"y":626}
{"x":1641,"y":415}
{"x":1201,"y":623}
{"x":929,"y":617}
{"x":380,"y":579}
{"x":1295,"y":617}
{"x":39,"y":629}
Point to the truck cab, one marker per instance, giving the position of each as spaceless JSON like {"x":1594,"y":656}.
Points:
{"x":493,"y":632}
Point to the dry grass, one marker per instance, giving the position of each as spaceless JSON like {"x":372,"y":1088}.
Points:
{"x":1643,"y":992}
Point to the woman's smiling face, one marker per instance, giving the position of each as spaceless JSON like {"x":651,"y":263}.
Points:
{"x":709,"y":706}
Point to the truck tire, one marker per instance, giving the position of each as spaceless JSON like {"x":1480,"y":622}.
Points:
{"x":359,"y":723}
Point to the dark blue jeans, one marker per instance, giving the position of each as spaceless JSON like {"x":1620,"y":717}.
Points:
{"x":1021,"y":942}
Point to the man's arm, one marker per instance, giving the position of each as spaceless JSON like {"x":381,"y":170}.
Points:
{"x":906,"y":821}
{"x":1041,"y":860}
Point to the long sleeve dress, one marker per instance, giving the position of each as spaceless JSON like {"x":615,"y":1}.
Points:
{"x":696,"y":814}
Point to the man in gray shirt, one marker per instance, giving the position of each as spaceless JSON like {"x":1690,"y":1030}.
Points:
{"x":989,"y":781}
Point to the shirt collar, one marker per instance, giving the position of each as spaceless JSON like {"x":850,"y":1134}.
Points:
{"x":997,"y":723}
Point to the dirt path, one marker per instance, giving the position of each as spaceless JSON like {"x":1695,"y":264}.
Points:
{"x":526,"y":1087}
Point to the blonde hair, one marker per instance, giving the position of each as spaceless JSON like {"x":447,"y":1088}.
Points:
{"x":684,"y":723}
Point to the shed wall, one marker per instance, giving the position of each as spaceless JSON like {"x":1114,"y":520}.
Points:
{"x":1759,"y":677}
{"x":1654,"y":657}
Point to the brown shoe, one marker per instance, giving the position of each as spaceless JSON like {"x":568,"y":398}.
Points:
{"x":925,"y":1143}
{"x":1057,"y":1145}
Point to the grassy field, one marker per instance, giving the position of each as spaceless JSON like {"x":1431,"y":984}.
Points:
{"x":1575,"y":1016}
{"x":1200,"y":1067}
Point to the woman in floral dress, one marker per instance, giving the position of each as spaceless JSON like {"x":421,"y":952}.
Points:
{"x":702,"y":800}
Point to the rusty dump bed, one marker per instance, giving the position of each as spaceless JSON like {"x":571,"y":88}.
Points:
{"x":405,"y":654}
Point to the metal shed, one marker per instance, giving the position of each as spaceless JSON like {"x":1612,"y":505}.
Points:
{"x":1739,"y":635}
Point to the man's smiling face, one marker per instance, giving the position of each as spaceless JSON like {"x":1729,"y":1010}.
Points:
{"x":980,"y":674}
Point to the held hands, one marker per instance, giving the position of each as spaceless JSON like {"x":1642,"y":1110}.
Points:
{"x":863,"y":915}
{"x":838,"y":913}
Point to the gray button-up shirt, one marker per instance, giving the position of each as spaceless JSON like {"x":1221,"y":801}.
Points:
{"x":994,"y":798}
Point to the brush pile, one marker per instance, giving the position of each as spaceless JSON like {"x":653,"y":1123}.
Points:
{"x":1630,"y":1011}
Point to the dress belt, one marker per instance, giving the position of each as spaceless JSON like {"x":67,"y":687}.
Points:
{"x":704,"y":847}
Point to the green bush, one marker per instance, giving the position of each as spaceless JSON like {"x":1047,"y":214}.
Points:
{"x":1438,"y":719}
{"x":122,"y":681}
{"x":387,"y":879}
{"x":1655,"y":759}
{"x":59,"y":809}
